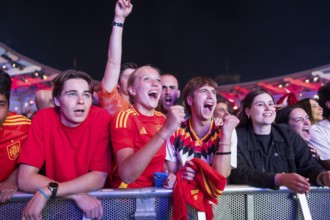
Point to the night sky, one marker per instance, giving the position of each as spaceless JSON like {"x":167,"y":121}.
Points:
{"x":255,"y":39}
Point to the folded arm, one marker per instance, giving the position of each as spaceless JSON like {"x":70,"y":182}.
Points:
{"x":8,"y":187}
{"x":29,"y":181}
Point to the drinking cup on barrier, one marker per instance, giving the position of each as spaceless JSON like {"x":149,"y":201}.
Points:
{"x":158,"y":178}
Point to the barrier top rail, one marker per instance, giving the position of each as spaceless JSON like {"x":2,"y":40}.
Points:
{"x":150,"y":192}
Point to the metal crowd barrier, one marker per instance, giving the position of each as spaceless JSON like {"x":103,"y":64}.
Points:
{"x":237,"y":202}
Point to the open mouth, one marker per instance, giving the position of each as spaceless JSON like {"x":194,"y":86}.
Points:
{"x":153,"y":94}
{"x":209,"y":106}
{"x":305,"y":130}
{"x":168,"y":100}
{"x":79,"y":110}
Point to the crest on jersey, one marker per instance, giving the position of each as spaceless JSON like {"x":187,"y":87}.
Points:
{"x":13,"y":150}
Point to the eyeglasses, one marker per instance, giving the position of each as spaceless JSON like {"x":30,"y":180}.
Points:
{"x":300,"y":119}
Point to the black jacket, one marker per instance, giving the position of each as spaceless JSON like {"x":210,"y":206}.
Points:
{"x":289,"y":153}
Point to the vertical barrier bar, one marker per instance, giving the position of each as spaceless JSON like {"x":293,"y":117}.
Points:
{"x":249,"y":207}
{"x":145,"y":209}
{"x":302,"y":201}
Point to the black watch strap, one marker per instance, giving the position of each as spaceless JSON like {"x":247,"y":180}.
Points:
{"x":53,"y":186}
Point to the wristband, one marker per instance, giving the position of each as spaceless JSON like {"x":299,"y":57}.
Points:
{"x":118,"y":24}
{"x":43,"y":193}
{"x":223,"y":153}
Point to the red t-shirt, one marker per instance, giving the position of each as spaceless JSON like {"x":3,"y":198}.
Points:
{"x":68,"y":152}
{"x":130,"y":129}
{"x":13,"y":133}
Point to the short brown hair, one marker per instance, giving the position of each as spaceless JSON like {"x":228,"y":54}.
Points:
{"x":194,"y":84}
{"x":126,"y":66}
{"x":61,"y":78}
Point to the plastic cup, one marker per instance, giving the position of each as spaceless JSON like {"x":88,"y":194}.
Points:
{"x":158,"y":178}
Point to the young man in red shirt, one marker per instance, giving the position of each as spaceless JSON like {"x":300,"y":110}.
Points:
{"x":72,"y":142}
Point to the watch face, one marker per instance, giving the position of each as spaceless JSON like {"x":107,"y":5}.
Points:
{"x":53,"y":185}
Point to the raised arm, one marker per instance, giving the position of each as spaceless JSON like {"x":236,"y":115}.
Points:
{"x":111,"y":75}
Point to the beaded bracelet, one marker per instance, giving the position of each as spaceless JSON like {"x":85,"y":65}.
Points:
{"x":43,"y":193}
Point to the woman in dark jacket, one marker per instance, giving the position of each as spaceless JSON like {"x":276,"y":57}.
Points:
{"x":269,"y":155}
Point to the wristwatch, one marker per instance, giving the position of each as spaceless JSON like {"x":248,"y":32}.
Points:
{"x":53,"y":186}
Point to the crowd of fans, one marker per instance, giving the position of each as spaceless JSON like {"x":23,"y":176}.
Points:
{"x":74,"y":146}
